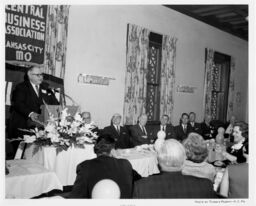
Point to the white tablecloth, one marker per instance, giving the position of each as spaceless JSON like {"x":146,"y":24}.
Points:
{"x":63,"y":163}
{"x":28,"y":179}
{"x":144,"y":162}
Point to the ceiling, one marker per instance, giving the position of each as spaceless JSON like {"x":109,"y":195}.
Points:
{"x":228,"y":18}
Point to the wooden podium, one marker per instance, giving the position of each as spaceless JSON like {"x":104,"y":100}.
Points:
{"x":55,"y":110}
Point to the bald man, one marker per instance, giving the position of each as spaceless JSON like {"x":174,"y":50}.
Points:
{"x":140,"y":133}
{"x":118,"y":133}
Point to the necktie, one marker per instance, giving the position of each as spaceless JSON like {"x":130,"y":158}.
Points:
{"x":143,"y":130}
{"x":37,"y":90}
{"x":185,"y":129}
{"x":118,"y":130}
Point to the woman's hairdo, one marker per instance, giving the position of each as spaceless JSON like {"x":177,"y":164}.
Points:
{"x":243,"y":127}
{"x":195,"y":147}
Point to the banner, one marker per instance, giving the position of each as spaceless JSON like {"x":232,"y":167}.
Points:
{"x":25,"y":33}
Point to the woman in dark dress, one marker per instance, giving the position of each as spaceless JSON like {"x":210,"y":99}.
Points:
{"x":235,"y":153}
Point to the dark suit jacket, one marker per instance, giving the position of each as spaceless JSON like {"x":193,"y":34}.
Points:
{"x":121,"y":140}
{"x":196,"y":128}
{"x":25,"y":101}
{"x":91,"y":171}
{"x":169,"y":130}
{"x":181,"y":135}
{"x":136,"y":135}
{"x":208,"y":131}
{"x":173,"y":185}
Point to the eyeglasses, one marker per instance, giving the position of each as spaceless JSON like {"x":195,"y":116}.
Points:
{"x":38,"y":75}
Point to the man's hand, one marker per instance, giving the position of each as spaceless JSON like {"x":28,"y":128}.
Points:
{"x":34,"y":116}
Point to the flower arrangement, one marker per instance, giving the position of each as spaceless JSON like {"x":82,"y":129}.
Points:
{"x":63,"y":132}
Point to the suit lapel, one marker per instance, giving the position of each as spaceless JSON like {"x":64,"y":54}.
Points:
{"x":33,"y":93}
{"x":114,"y":129}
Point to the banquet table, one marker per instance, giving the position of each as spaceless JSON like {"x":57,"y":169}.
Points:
{"x":27,"y":179}
{"x":143,"y":161}
{"x":63,"y":163}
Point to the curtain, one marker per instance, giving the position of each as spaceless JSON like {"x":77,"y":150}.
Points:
{"x":167,"y":75}
{"x":231,"y":91}
{"x":209,"y":65}
{"x":56,"y":40}
{"x":136,"y":73}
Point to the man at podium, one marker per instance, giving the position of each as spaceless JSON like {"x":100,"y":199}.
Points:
{"x":27,"y":99}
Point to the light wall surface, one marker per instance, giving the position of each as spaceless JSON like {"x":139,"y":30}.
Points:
{"x":97,"y":46}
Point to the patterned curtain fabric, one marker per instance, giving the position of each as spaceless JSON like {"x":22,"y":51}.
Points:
{"x":56,"y":40}
{"x":136,"y":73}
{"x":167,"y":75}
{"x":231,"y":91}
{"x":209,"y":65}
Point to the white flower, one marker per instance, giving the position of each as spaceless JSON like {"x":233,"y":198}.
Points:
{"x":29,"y":139}
{"x":78,"y":117}
{"x":83,"y":139}
{"x":237,"y":146}
{"x":50,"y":128}
{"x":75,"y":124}
{"x":54,"y":137}
{"x":40,"y":133}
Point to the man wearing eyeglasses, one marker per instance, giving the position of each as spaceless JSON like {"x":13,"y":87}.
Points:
{"x":27,"y":98}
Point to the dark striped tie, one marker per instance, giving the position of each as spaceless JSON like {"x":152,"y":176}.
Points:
{"x":37,"y":90}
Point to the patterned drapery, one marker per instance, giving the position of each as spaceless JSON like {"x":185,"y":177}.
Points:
{"x":136,"y":73}
{"x":231,"y":91}
{"x":56,"y":40}
{"x":209,"y":65}
{"x":167,"y":75}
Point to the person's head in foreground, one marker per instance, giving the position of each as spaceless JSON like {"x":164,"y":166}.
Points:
{"x":197,"y":153}
{"x":171,"y":156}
{"x":105,"y":146}
{"x":195,"y":147}
{"x":106,"y":189}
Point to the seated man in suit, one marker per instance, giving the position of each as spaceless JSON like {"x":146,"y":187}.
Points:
{"x":195,"y":127}
{"x":183,"y":129}
{"x":164,"y":126}
{"x":170,"y":183}
{"x":27,"y":98}
{"x":208,"y":131}
{"x":105,"y":166}
{"x":117,"y":132}
{"x":139,"y":132}
{"x":86,"y":116}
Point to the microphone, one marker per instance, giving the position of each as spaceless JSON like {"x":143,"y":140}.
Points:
{"x":52,"y":90}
